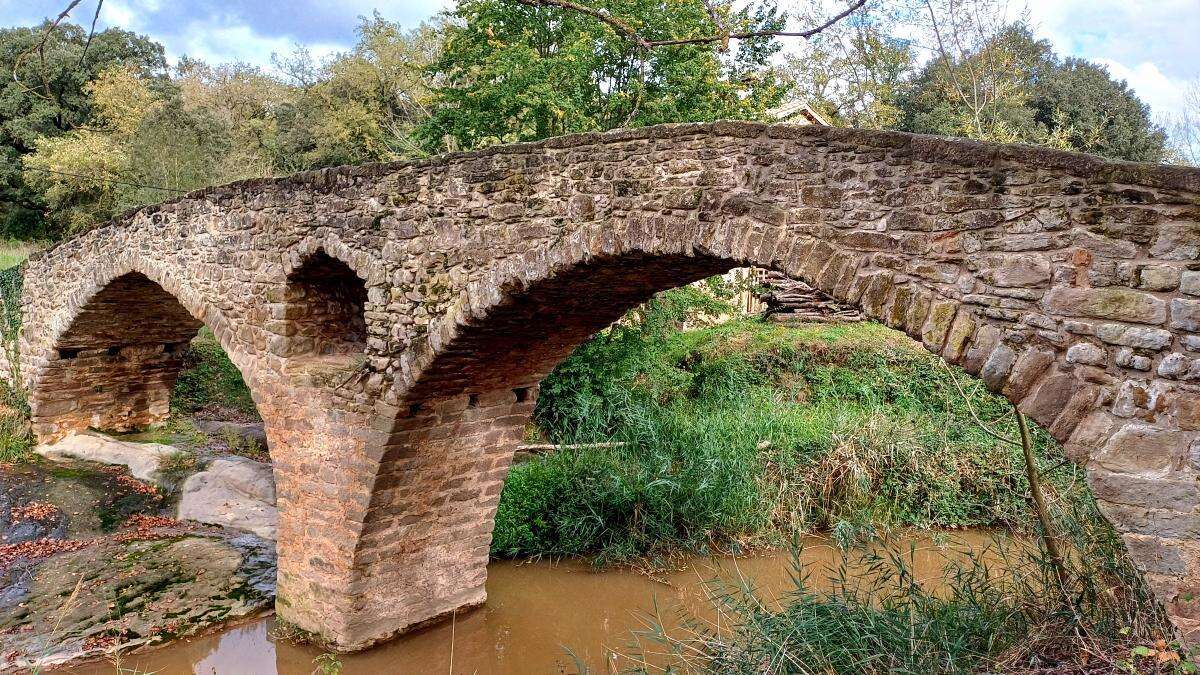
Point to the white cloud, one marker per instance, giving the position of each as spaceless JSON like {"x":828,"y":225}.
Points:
{"x":1151,"y":45}
{"x":216,"y":43}
{"x":1163,"y":94}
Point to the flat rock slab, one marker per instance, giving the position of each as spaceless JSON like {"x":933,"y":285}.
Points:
{"x":142,"y":459}
{"x":232,"y":492}
{"x":124,"y":595}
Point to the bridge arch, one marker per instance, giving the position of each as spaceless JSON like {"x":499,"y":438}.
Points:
{"x":1068,"y":283}
{"x":113,"y":355}
{"x":476,"y":378}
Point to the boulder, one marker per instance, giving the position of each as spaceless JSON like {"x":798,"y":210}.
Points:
{"x":250,"y":431}
{"x":116,"y":595}
{"x":232,"y":492}
{"x":142,"y":459}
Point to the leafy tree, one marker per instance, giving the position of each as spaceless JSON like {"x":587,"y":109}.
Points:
{"x":1013,"y":88}
{"x":362,"y":106}
{"x":43,"y":95}
{"x":245,"y":101}
{"x":513,"y":72}
{"x":142,"y":137}
{"x":984,"y":94}
{"x":854,"y":72}
{"x":1078,"y":102}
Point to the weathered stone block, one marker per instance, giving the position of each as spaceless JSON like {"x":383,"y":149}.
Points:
{"x":1142,"y":450}
{"x":1140,"y":337}
{"x":1120,"y":304}
{"x":1087,"y":353}
{"x":1185,"y":314}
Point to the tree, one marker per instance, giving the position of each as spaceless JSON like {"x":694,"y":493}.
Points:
{"x":42,"y":95}
{"x":1185,"y":128}
{"x":980,"y":91}
{"x":516,"y":72}
{"x":854,"y":71}
{"x":994,"y":81}
{"x":142,"y":143}
{"x":1082,"y":108}
{"x":361,"y":106}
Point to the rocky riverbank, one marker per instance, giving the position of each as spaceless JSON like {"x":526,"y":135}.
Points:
{"x":110,"y":544}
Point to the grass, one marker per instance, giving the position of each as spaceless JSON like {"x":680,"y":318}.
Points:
{"x":995,"y":612}
{"x":14,"y":252}
{"x":743,"y":434}
{"x":176,"y":466}
{"x":210,"y":381}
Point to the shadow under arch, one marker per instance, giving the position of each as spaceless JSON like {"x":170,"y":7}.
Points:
{"x":114,"y":362}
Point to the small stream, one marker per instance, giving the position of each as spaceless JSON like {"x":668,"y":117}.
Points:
{"x":537,"y":611}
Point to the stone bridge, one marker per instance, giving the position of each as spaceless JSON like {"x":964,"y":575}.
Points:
{"x":393,"y":320}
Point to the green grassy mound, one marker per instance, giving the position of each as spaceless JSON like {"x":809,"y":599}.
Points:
{"x":742,"y":434}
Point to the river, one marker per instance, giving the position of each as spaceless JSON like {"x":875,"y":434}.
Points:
{"x":536,"y":612}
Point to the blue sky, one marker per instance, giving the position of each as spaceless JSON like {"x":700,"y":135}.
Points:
{"x":1152,"y":44}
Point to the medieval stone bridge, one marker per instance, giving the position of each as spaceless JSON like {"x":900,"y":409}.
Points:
{"x":393,"y":321}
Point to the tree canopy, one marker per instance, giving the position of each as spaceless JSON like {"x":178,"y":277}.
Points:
{"x":514,"y":72}
{"x":43,"y":94}
{"x":1032,"y":96}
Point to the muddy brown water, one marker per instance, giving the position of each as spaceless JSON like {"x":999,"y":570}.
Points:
{"x":537,"y":611}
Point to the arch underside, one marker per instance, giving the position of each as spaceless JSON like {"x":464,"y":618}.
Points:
{"x":114,"y":367}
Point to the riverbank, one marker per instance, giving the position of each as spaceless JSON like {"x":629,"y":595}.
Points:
{"x":737,"y":436}
{"x":93,"y":562}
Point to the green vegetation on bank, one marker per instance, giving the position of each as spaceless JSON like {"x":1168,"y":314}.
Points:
{"x":997,"y":611}
{"x":210,"y":382}
{"x":745,"y":433}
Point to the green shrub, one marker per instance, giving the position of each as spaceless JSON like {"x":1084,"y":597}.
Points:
{"x":209,"y":378}
{"x":744,"y":433}
{"x":998,"y":610}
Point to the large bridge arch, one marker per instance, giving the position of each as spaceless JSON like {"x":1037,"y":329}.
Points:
{"x":112,"y":353}
{"x":1068,"y":283}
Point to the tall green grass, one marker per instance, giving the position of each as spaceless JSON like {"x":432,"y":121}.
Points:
{"x":742,"y":434}
{"x":998,"y":610}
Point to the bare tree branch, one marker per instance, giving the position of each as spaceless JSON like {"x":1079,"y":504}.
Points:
{"x":91,"y":33}
{"x":41,"y":50}
{"x":632,"y":34}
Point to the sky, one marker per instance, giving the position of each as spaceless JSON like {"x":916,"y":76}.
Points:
{"x":1152,"y":44}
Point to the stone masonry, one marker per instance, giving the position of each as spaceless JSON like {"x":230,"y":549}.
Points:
{"x":393,"y":320}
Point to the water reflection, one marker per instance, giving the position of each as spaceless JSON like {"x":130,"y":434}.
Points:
{"x":534,"y":613}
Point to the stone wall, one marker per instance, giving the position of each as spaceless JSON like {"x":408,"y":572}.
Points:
{"x":1069,"y":284}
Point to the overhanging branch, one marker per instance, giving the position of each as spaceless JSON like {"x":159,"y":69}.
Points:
{"x":631,"y":33}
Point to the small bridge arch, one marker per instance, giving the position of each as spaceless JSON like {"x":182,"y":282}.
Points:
{"x":1067,"y":283}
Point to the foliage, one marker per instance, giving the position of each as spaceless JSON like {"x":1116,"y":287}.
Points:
{"x":46,"y":97}
{"x":363,"y":105}
{"x":140,"y":135}
{"x":328,"y":664}
{"x":510,"y":72}
{"x":1010,"y":87}
{"x":173,"y":468}
{"x":16,"y":438}
{"x":855,"y":71}
{"x":210,"y":379}
{"x":741,"y":434}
